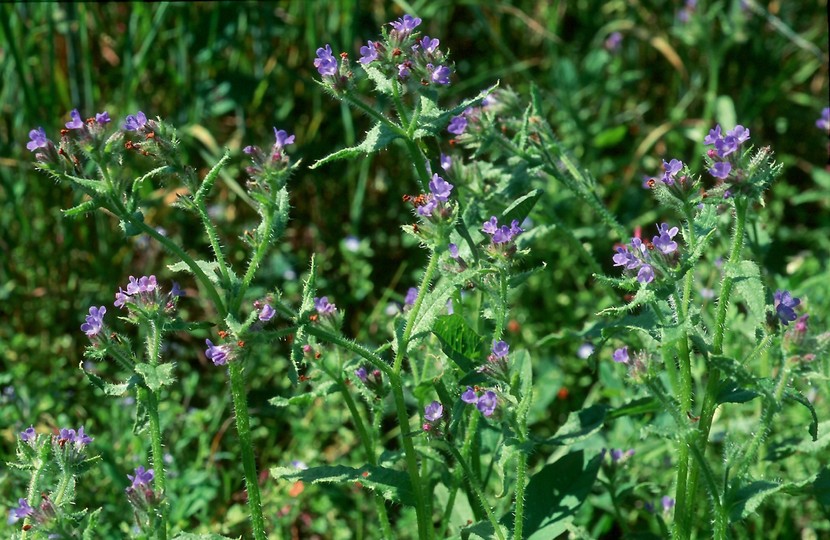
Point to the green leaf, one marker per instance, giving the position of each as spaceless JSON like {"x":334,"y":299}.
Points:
{"x":747,"y":283}
{"x":83,"y":208}
{"x":91,"y":522}
{"x":433,"y":121}
{"x":798,"y":397}
{"x":377,"y":138}
{"x":579,"y":426}
{"x":731,"y":392}
{"x":521,"y":207}
{"x":383,"y":83}
{"x":156,"y":376}
{"x":393,"y":485}
{"x":322,"y":389}
{"x":821,"y":488}
{"x":610,"y":137}
{"x":483,"y":530}
{"x":556,"y":492}
{"x":459,"y":342}
{"x":211,"y":270}
{"x":128,"y":227}
{"x":108,"y":388}
{"x":745,"y":500}
{"x":435,"y":302}
{"x":636,"y":407}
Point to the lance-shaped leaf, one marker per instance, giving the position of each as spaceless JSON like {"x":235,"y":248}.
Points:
{"x":579,"y":426}
{"x":392,"y":484}
{"x":211,"y":270}
{"x":459,"y":342}
{"x":377,"y":138}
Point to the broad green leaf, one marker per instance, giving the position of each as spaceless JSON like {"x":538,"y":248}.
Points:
{"x":383,"y":83}
{"x":459,"y":342}
{"x":435,"y":302}
{"x":462,"y":512}
{"x":483,"y":530}
{"x":156,"y":376}
{"x":732,"y":392}
{"x":579,"y":426}
{"x":745,"y":500}
{"x":203,"y":536}
{"x":377,"y":138}
{"x":433,"y":121}
{"x":556,"y":492}
{"x":821,"y":488}
{"x":393,"y":485}
{"x":747,"y":283}
{"x":128,"y":227}
{"x":520,"y":208}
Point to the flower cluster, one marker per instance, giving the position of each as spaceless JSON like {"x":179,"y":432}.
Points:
{"x":94,"y":322}
{"x":90,"y":130}
{"x":502,"y":237}
{"x":140,"y":493}
{"x":497,"y":366}
{"x":144,"y":294}
{"x":41,"y":515}
{"x":637,"y":363}
{"x":724,"y":154}
{"x":372,"y":379}
{"x":486,"y":403}
{"x":402,"y":54}
{"x":267,"y":174}
{"x":434,"y":204}
{"x":638,"y":255}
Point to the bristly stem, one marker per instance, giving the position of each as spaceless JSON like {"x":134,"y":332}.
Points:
{"x":41,"y":464}
{"x":713,"y":384}
{"x":151,"y":399}
{"x":243,"y":429}
{"x":473,"y":481}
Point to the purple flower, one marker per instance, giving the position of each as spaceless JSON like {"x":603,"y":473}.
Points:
{"x":94,"y":321}
{"x":21,"y":512}
{"x":38,"y":139}
{"x":663,"y":242}
{"x":135,"y":123}
{"x":469,"y":396}
{"x":176,"y":290}
{"x":668,"y":503}
{"x":323,"y":306}
{"x":616,"y":454}
{"x":621,"y":355}
{"x":626,"y":259}
{"x":740,"y":133}
{"x":428,"y":207}
{"x":121,"y":298}
{"x":361,"y":374}
{"x":405,"y":25}
{"x":218,"y":354}
{"x":403,"y":70}
{"x":369,"y":53}
{"x":726,"y":146}
{"x":457,"y":125}
{"x":446,"y":162}
{"x":487,"y":403}
{"x":142,"y":478}
{"x":785,"y":306}
{"x":500,"y":349}
{"x":103,"y":118}
{"x":799,"y":327}
{"x":453,"y":248}
{"x":646,"y":274}
{"x":491,"y":226}
{"x":824,"y":121}
{"x":297,"y":464}
{"x":440,"y":188}
{"x":66,"y":434}
{"x":80,"y":438}
{"x":283,"y":139}
{"x":429,"y":45}
{"x":721,"y":169}
{"x":325,"y":62}
{"x":76,"y":122}
{"x":267,"y":313}
{"x":714,"y":135}
{"x":434,"y":411}
{"x":671,"y":169}
{"x":28,"y":435}
{"x":613,"y":41}
{"x":249,"y":149}
{"x":439,"y":75}
{"x":411,"y":296}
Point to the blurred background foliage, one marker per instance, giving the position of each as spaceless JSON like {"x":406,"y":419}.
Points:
{"x":225,"y":73}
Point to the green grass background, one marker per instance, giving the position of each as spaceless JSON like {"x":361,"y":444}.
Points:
{"x":226,"y":72}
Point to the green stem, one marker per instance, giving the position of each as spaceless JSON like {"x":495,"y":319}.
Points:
{"x":713,"y":384}
{"x":40,"y":464}
{"x":213,"y":237}
{"x":421,"y":511}
{"x":151,"y":400}
{"x":243,"y":428}
{"x":413,"y":313}
{"x":256,"y":260}
{"x":366,"y":439}
{"x":473,"y":481}
{"x":521,"y":482}
{"x":182,"y":255}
